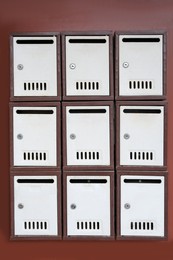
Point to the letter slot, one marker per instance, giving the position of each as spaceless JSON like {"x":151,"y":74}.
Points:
{"x":141,"y":66}
{"x":35,"y":136}
{"x":35,"y":206}
{"x":142,"y":135}
{"x":87,"y":66}
{"x":142,"y":206}
{"x":88,"y":214}
{"x":34,"y":66}
{"x":88,"y":135}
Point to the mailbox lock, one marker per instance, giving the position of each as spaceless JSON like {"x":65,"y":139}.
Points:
{"x":20,"y":206}
{"x":73,"y":206}
{"x":127,"y":206}
{"x":125,"y":64}
{"x":72,"y":136}
{"x":72,"y":66}
{"x":20,"y":67}
{"x":20,"y":136}
{"x":126,"y":136}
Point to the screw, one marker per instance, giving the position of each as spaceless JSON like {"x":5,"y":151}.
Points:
{"x":20,"y":206}
{"x":125,"y":65}
{"x":73,"y":206}
{"x":20,"y":136}
{"x":72,"y":136}
{"x":20,"y":67}
{"x":126,"y":136}
{"x":72,"y":66}
{"x":127,"y":206}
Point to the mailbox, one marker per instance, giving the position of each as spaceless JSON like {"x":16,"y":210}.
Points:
{"x":36,"y":206}
{"x":88,"y":204}
{"x":142,"y":205}
{"x":141,"y":134}
{"x":35,"y":61}
{"x":35,"y":134}
{"x":88,"y":135}
{"x":87,"y":66}
{"x":141,"y":66}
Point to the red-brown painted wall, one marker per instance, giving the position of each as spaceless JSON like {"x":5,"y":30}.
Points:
{"x":59,"y":15}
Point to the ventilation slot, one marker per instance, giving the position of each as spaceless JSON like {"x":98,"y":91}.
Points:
{"x":142,"y":156}
{"x":87,"y":85}
{"x":87,"y":155}
{"x":35,"y":156}
{"x":35,"y":86}
{"x":144,"y":225}
{"x":35,"y":225}
{"x":88,"y":225}
{"x":140,"y":84}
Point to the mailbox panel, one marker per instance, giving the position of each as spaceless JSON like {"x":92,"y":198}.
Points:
{"x":87,"y":66}
{"x":88,"y":135}
{"x":142,"y":134}
{"x":35,"y":132}
{"x":35,"y":66}
{"x":89,"y":214}
{"x":35,"y":206}
{"x":142,"y":205}
{"x":141,"y":65}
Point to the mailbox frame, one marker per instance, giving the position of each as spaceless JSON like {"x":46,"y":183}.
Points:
{"x":140,"y":167}
{"x":111,"y":74}
{"x":112,"y":204}
{"x":116,"y":68}
{"x":58,"y":135}
{"x":58,"y":74}
{"x":118,"y":204}
{"x":111,"y":117}
{"x":59,"y":207}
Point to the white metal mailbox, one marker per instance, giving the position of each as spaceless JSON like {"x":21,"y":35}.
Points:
{"x":141,"y":65}
{"x":142,"y":135}
{"x":142,"y":205}
{"x":35,"y":66}
{"x":88,"y":206}
{"x":35,"y":206}
{"x":88,"y":135}
{"x":34,"y":136}
{"x":87,"y":65}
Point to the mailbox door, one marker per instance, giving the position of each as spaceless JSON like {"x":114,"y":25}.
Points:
{"x":34,"y":136}
{"x":140,"y":65}
{"x":142,"y":135}
{"x":35,"y":206}
{"x":35,"y":66}
{"x":88,"y":214}
{"x":87,"y":65}
{"x":142,"y":206}
{"x":88,"y":135}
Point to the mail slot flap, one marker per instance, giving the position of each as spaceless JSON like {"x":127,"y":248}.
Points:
{"x":141,"y":65}
{"x":142,"y":181}
{"x":29,"y":41}
{"x":84,"y":39}
{"x":35,"y":66}
{"x":141,"y":38}
{"x":142,"y":205}
{"x":35,"y":181}
{"x":34,"y":112}
{"x":89,"y":213}
{"x":88,"y":181}
{"x":35,"y":205}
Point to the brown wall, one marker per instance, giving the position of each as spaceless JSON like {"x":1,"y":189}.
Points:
{"x":59,"y":15}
